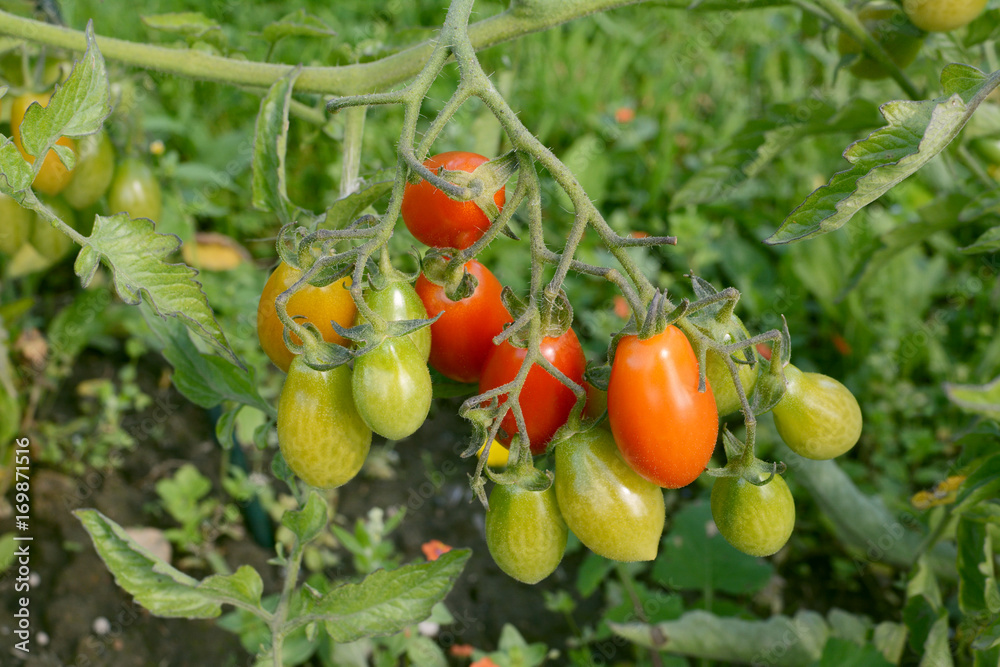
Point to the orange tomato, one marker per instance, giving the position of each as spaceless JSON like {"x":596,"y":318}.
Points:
{"x":53,"y":176}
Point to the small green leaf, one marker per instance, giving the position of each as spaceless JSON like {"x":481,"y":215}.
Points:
{"x":15,"y":173}
{"x":982,"y":484}
{"x":189,"y":24}
{"x":388,"y":601}
{"x":890,"y":639}
{"x":297,"y":24}
{"x":225,"y":427}
{"x":844,"y":653}
{"x":347,"y":209}
{"x":989,"y":241}
{"x":936,"y":651}
{"x":971,"y":538}
{"x":155,"y":584}
{"x":983,"y":399}
{"x":309,"y":521}
{"x":243,"y":586}
{"x":270,"y":146}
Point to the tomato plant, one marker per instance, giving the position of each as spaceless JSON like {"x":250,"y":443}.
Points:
{"x":16,"y":226}
{"x":757,"y":520}
{"x":462,"y":338}
{"x":323,"y":438}
{"x":399,"y":301}
{"x":615,"y":512}
{"x":53,"y":176}
{"x":135,"y":190}
{"x":943,"y":15}
{"x":318,"y":305}
{"x":95,"y":167}
{"x":392,"y":388}
{"x":545,"y":401}
{"x":818,"y":417}
{"x":889,"y":27}
{"x":437,"y":220}
{"x":727,"y":401}
{"x":665,"y":428}
{"x":525,"y":532}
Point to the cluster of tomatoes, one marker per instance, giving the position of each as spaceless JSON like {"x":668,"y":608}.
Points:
{"x":130,"y":187}
{"x":901,"y":32}
{"x":660,"y":431}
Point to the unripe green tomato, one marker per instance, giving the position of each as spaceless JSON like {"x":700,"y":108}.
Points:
{"x":525,"y":533}
{"x":818,"y":417}
{"x":757,"y":520}
{"x":51,"y":243}
{"x":894,"y":33}
{"x":392,"y":388}
{"x":614,"y":511}
{"x":942,"y":15}
{"x":727,"y":401}
{"x":322,"y":437}
{"x":135,"y":190}
{"x":15,"y":225}
{"x":399,"y":301}
{"x":95,"y":166}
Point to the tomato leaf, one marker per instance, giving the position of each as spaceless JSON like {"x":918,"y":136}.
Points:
{"x":975,"y":565}
{"x":917,"y":132}
{"x":982,"y":484}
{"x":845,"y":653}
{"x":346,"y":209}
{"x":270,"y":145}
{"x":156,"y":585}
{"x":388,"y":601}
{"x":989,"y":241}
{"x":15,"y":172}
{"x":242,"y":587}
{"x":297,"y":24}
{"x":309,"y":521}
{"x":982,"y":399}
{"x":136,"y":255}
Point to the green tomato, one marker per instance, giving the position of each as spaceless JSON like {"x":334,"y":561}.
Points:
{"x":51,"y":243}
{"x":392,"y":388}
{"x":135,"y":190}
{"x":757,"y":520}
{"x":889,"y":27}
{"x":818,"y":417}
{"x":525,"y":533}
{"x":399,"y":301}
{"x":322,"y":437}
{"x":614,"y":511}
{"x":95,"y":166}
{"x":727,"y":401}
{"x":943,"y":15}
{"x":15,"y":225}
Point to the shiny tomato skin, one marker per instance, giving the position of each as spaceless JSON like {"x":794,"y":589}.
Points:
{"x":392,"y":388}
{"x":439,"y":221}
{"x":525,"y":532}
{"x":317,"y":305}
{"x":545,"y":401}
{"x":757,"y":520}
{"x":95,"y":167}
{"x":818,"y":417}
{"x":135,"y":190}
{"x":614,"y":511}
{"x":462,"y":338}
{"x":322,"y":437}
{"x":53,"y":176}
{"x":943,"y":15}
{"x":666,"y":430}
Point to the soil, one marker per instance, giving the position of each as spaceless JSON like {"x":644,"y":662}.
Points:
{"x":79,"y":615}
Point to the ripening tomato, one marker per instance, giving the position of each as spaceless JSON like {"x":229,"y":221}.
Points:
{"x":322,"y":437}
{"x":399,"y":301}
{"x":664,"y":427}
{"x":818,"y":417}
{"x":942,"y":15}
{"x":757,"y":520}
{"x":15,"y":225}
{"x":439,"y":221}
{"x":135,"y":190}
{"x":317,"y":305}
{"x":727,"y":401}
{"x":50,"y":242}
{"x":53,"y":176}
{"x":525,"y":533}
{"x":545,"y":401}
{"x":462,"y":338}
{"x":392,"y":388}
{"x":615,"y":512}
{"x":95,"y":167}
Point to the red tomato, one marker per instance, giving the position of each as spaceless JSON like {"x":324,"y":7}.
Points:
{"x":436,"y":219}
{"x":545,"y":401}
{"x":664,"y":428}
{"x":463,"y":337}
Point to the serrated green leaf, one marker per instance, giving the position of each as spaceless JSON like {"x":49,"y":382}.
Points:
{"x":388,"y":601}
{"x":162,"y":589}
{"x":15,"y":173}
{"x":297,"y":24}
{"x":78,"y":107}
{"x":309,"y":521}
{"x":270,"y":145}
{"x":983,"y":483}
{"x":989,"y":241}
{"x":982,"y":399}
{"x":346,"y":209}
{"x":780,"y":641}
{"x":189,"y":24}
{"x":243,"y":586}
{"x":136,"y":255}
{"x":917,"y":132}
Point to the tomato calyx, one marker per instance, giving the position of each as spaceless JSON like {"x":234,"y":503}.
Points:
{"x":448,"y":272}
{"x":741,"y":461}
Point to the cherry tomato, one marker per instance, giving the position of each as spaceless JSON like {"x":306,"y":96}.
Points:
{"x":525,"y":533}
{"x":53,"y":176}
{"x":95,"y":166}
{"x":392,"y":388}
{"x":615,"y":512}
{"x":462,"y":337}
{"x":727,"y":401}
{"x":888,"y":26}
{"x":15,"y":226}
{"x":135,"y":190}
{"x":943,"y":15}
{"x":399,"y":301}
{"x":317,"y":305}
{"x":545,"y":401}
{"x":664,"y":427}
{"x":439,"y":221}
{"x":50,"y":242}
{"x":757,"y":520}
{"x":322,"y":437}
{"x":818,"y":417}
